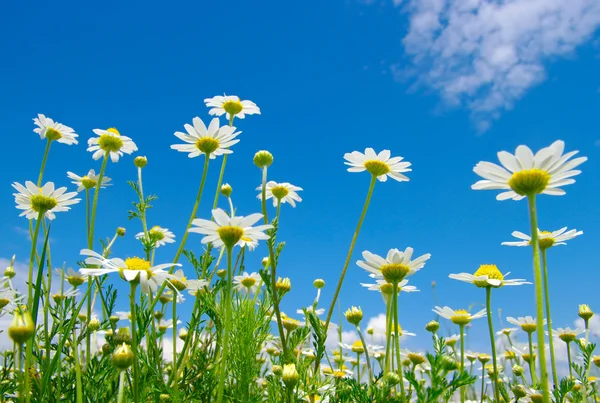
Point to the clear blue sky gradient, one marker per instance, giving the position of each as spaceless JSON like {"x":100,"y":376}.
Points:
{"x":320,"y":72}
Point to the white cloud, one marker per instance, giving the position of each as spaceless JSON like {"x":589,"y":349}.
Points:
{"x":485,"y":54}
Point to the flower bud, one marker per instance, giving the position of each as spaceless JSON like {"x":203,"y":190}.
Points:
{"x":113,"y":319}
{"x":449,"y":364}
{"x":265,"y":261}
{"x":123,"y":335}
{"x":158,"y":315}
{"x":519,"y":391}
{"x":319,"y":283}
{"x":596,"y":360}
{"x":370,"y":330}
{"x":10,"y":270}
{"x":123,"y":357}
{"x":21,"y":328}
{"x":106,"y":348}
{"x":518,"y":370}
{"x":226,"y":190}
{"x":121,"y":231}
{"x":354,"y":315}
{"x":183,"y":333}
{"x":93,"y":324}
{"x":82,"y":317}
{"x":585,"y":312}
{"x":263,"y":159}
{"x":277,"y":369}
{"x":432,"y":326}
{"x":164,"y":397}
{"x":283,"y":285}
{"x":221,"y":273}
{"x":290,"y":375}
{"x":392,"y":379}
{"x":140,"y":161}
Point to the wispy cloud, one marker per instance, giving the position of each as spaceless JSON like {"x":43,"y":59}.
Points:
{"x":486,"y":54}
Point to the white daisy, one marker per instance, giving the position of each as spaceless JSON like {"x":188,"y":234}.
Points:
{"x":54,"y":131}
{"x":231,"y":231}
{"x":181,"y":282}
{"x":247,"y":283}
{"x":567,"y":334}
{"x":231,"y":106}
{"x":525,"y":174}
{"x":88,"y":181}
{"x":528,"y":324}
{"x":166,"y":324}
{"x":160,"y":236}
{"x":212,"y":141}
{"x":110,"y":141}
{"x":386,"y":289}
{"x":9,"y":298}
{"x":546,"y":239}
{"x":380,"y":165}
{"x":402,"y":332}
{"x":395,"y":266}
{"x":286,"y":192}
{"x":47,"y":200}
{"x":131,"y":269}
{"x":487,"y":275}
{"x":460,"y":316}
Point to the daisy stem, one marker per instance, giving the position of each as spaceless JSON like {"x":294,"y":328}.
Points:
{"x":43,"y":167}
{"x":397,"y":339}
{"x":462,"y":361}
{"x":220,"y":181}
{"x":488,"y":305}
{"x":226,"y":329}
{"x":388,"y":331}
{"x":95,"y":202}
{"x":34,"y":238}
{"x":175,"y":336}
{"x":349,"y":256}
{"x":362,"y":339}
{"x":569,"y":359}
{"x":134,"y":342}
{"x":358,"y":364}
{"x":537,"y":272}
{"x":121,"y":387}
{"x":549,"y":323}
{"x":531,"y":360}
{"x":482,"y":383}
{"x":78,"y":384}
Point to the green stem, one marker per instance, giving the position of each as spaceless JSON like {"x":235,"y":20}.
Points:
{"x":537,"y":272}
{"x":134,"y":343}
{"x":397,"y":339}
{"x":43,"y":167}
{"x":462,"y":360}
{"x":121,"y":387}
{"x":174,"y":313}
{"x":358,"y":365}
{"x":222,"y":173}
{"x":488,"y":304}
{"x":227,"y":328}
{"x":388,"y":334}
{"x":351,"y":250}
{"x":36,"y":231}
{"x":549,"y":318}
{"x":95,"y":202}
{"x":362,"y":339}
{"x":531,"y":360}
{"x":79,"y":387}
{"x":569,"y":359}
{"x":482,"y":383}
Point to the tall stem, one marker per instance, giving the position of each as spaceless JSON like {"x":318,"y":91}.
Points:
{"x":134,"y":343}
{"x":569,"y":359}
{"x":488,"y":305}
{"x":388,"y":334}
{"x":362,"y":339}
{"x":397,"y":339}
{"x":222,"y":173}
{"x":121,"y":387}
{"x":43,"y":167}
{"x":482,"y":383}
{"x":95,"y":202}
{"x":227,"y":328}
{"x":462,"y":360}
{"x":174,"y":313}
{"x":351,"y":250}
{"x":78,"y":384}
{"x":549,"y":318}
{"x":539,"y":298}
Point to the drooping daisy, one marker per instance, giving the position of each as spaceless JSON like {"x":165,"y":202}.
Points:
{"x":487,"y":275}
{"x":395,"y":266}
{"x":230,"y":231}
{"x":231,"y":106}
{"x":46,"y":200}
{"x":213,"y":140}
{"x":459,"y":317}
{"x":525,"y":174}
{"x":160,"y":236}
{"x":528,"y":324}
{"x":110,"y":141}
{"x":247,"y":283}
{"x":133,"y":269}
{"x":284,"y":192}
{"x":547,"y":239}
{"x":54,"y":131}
{"x":88,"y":181}
{"x":380,"y":165}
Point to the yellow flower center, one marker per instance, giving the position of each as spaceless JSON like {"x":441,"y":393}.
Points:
{"x":377,"y":167}
{"x":509,"y":355}
{"x":157,"y":234}
{"x":3,"y":302}
{"x":387,"y":288}
{"x":110,"y":143}
{"x":461,"y":317}
{"x":545,"y":241}
{"x":279,"y":192}
{"x":41,"y":203}
{"x":358,"y":347}
{"x":339,"y":374}
{"x":179,"y":284}
{"x":394,"y":272}
{"x":536,"y":398}
{"x":75,"y":281}
{"x":567,"y":337}
{"x":527,"y":357}
{"x":290,"y":324}
{"x":136,"y":264}
{"x":207,"y":145}
{"x":416,"y":359}
{"x":529,"y":327}
{"x":233,"y":107}
{"x":230,"y":235}
{"x":53,"y":134}
{"x":529,"y":181}
{"x":88,"y":182}
{"x":248,"y":282}
{"x":489,"y":270}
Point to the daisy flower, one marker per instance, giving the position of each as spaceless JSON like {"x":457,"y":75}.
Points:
{"x":460,"y":316}
{"x":507,"y":331}
{"x":231,"y":231}
{"x":160,"y":236}
{"x":281,"y":192}
{"x":181,"y":282}
{"x":231,"y":106}
{"x":45,"y":200}
{"x":525,"y":174}
{"x":110,"y":141}
{"x":166,"y":324}
{"x":9,"y":298}
{"x":395,"y":266}
{"x":547,"y":239}
{"x":402,"y":332}
{"x":487,"y":275}
{"x":88,"y":181}
{"x":380,"y":165}
{"x":567,"y":334}
{"x":133,"y":269}
{"x":74,"y":278}
{"x":247,"y":283}
{"x":61,"y":296}
{"x":213,"y":140}
{"x":54,"y":131}
{"x":528,"y":324}
{"x":386,"y":289}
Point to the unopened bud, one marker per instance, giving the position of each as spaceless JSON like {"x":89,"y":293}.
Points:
{"x":140,"y":161}
{"x":319,"y":283}
{"x":121,"y":231}
{"x":123,"y":357}
{"x":263,"y":159}
{"x":585,"y":312}
{"x":354,"y":315}
{"x":290,"y":375}
{"x":226,"y":190}
{"x":21,"y":328}
{"x":432,"y":326}
{"x":94,"y":324}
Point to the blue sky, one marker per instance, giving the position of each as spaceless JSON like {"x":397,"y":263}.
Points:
{"x":330,"y":78}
